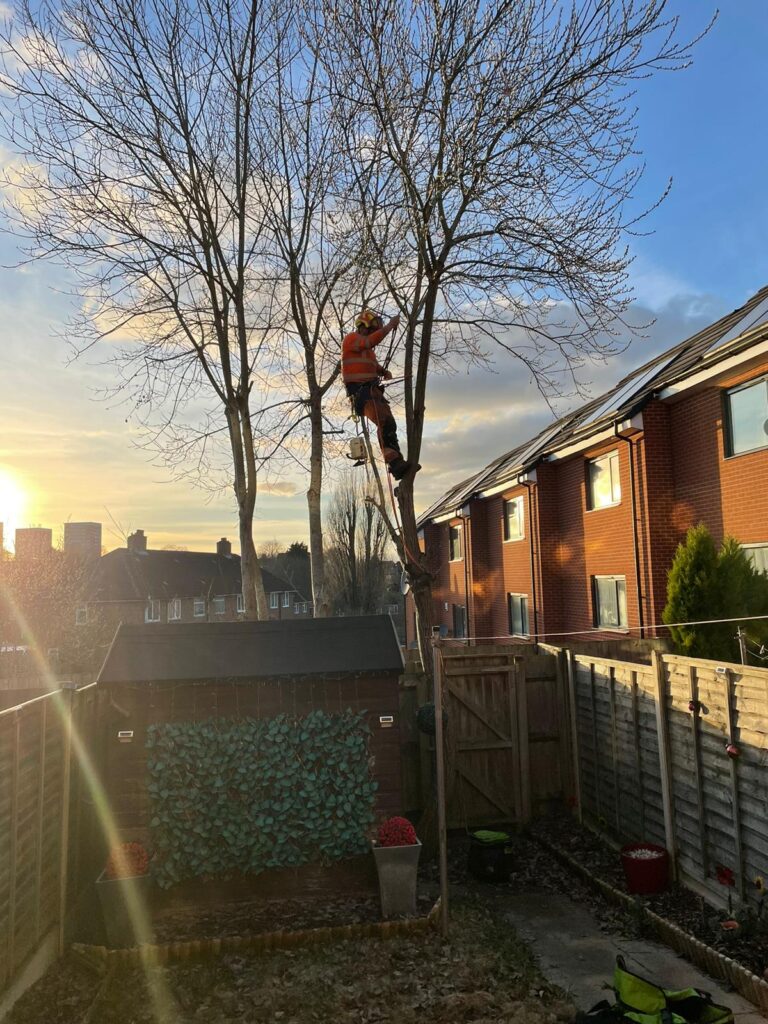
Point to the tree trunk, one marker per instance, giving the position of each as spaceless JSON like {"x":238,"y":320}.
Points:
{"x":254,"y":596}
{"x":316,"y":551}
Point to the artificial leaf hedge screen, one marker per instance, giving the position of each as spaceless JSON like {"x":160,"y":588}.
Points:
{"x":242,"y":795}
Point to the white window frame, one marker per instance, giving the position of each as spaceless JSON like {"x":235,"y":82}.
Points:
{"x":174,"y":609}
{"x":749,"y":548}
{"x":517,"y":519}
{"x":152,"y":611}
{"x":241,"y":604}
{"x":198,"y":607}
{"x":456,"y":532}
{"x":730,"y":451}
{"x":524,"y":621}
{"x":596,"y":603}
{"x":274,"y":599}
{"x":81,"y":615}
{"x":465,"y":621}
{"x":219,"y":605}
{"x":287,"y":599}
{"x":614,"y":470}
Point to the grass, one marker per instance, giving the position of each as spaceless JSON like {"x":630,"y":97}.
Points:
{"x":482,"y":974}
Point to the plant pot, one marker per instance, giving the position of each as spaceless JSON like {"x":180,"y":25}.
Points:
{"x":397,"y":867}
{"x":490,"y":856}
{"x":115,"y":895}
{"x":645,"y":875}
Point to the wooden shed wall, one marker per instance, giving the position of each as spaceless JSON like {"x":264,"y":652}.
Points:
{"x":137,"y":706}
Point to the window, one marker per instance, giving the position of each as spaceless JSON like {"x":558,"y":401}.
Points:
{"x":746,"y":414}
{"x":174,"y":609}
{"x":274,"y":600}
{"x":219,"y":605}
{"x":603,"y":480}
{"x":454,"y":543}
{"x":758,"y":555}
{"x":610,"y":597}
{"x":199,"y":607}
{"x":152,"y":611}
{"x":517,"y":607}
{"x":81,"y":616}
{"x":240,"y":604}
{"x":393,"y":609}
{"x":459,"y":620}
{"x":287,"y":599}
{"x":513,"y":519}
{"x":298,"y":608}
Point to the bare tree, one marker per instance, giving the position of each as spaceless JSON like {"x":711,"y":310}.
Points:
{"x":302,"y":166}
{"x":492,"y":157}
{"x":135,"y":122}
{"x":358,"y":541}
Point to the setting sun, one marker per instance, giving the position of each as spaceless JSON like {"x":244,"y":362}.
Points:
{"x":13,"y":505}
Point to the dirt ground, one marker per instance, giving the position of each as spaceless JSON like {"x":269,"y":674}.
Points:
{"x":483,"y":974}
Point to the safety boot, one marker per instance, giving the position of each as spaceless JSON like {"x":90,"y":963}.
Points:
{"x":399,"y":467}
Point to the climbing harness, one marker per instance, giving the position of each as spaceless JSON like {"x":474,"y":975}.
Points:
{"x":640,"y":1001}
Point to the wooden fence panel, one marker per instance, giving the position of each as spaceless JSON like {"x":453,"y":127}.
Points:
{"x":34,"y":835}
{"x":683,"y":791}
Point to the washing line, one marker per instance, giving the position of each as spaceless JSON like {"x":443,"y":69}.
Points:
{"x":622,"y":630}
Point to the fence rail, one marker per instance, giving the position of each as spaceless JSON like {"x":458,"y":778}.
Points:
{"x":675,"y":752}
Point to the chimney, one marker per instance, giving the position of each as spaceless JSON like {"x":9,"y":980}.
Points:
{"x":224,"y":548}
{"x":137,"y":541}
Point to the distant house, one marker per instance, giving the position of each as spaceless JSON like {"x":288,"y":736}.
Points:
{"x":137,"y":585}
{"x":575,"y":529}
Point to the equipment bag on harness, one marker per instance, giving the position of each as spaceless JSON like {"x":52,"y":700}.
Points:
{"x":643,"y":1002}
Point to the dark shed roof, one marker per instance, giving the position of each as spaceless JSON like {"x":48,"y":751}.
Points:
{"x":124,"y":575}
{"x":364,"y":644}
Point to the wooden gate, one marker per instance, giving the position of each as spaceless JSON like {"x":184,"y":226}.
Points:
{"x":506,"y":735}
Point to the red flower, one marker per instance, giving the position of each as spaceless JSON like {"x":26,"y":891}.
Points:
{"x":724,"y":875}
{"x":127,"y":861}
{"x":396,"y":832}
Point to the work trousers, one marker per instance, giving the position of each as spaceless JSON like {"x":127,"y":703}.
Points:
{"x":370,"y":402}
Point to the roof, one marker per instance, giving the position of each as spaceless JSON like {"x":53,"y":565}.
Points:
{"x":357,"y":645}
{"x":731,"y":334}
{"x":124,"y":575}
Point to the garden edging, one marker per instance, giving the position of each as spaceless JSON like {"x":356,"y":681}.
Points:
{"x":719,"y":966}
{"x":264,"y":942}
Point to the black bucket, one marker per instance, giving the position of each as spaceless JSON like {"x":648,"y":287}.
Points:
{"x":490,"y":856}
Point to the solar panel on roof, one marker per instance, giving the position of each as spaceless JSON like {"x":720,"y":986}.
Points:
{"x":633,"y":386}
{"x":755,"y":317}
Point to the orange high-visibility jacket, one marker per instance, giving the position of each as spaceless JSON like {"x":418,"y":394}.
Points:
{"x":358,"y":360}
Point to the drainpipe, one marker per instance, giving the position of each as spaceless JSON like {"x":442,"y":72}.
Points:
{"x":528,"y":480}
{"x":635,"y":546}
{"x":466,"y":522}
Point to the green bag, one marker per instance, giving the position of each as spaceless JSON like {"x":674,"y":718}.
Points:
{"x":642,"y":1002}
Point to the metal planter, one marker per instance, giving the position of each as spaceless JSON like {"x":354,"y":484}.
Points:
{"x":115,"y":895}
{"x":397,"y":867}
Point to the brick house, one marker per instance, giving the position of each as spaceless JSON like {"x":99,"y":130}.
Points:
{"x":137,"y":585}
{"x":576,"y":529}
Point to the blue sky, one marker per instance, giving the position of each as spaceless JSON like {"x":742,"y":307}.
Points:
{"x":73,"y":457}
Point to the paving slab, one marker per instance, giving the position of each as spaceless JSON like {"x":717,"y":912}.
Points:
{"x":574,"y":953}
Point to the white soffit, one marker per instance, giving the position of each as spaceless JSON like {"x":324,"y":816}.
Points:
{"x":716,"y":370}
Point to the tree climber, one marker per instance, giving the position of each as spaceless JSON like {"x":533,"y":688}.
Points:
{"x":362,"y":375}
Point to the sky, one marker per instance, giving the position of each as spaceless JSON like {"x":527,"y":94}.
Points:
{"x":65,"y":454}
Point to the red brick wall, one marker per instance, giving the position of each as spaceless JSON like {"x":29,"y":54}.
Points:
{"x":589,"y":543}
{"x":682,"y":477}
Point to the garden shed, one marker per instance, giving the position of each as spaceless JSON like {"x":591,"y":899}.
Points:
{"x":238,"y":671}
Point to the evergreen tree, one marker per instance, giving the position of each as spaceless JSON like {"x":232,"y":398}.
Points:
{"x":706,"y":584}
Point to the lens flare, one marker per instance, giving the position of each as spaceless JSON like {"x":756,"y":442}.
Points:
{"x":163,"y":1005}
